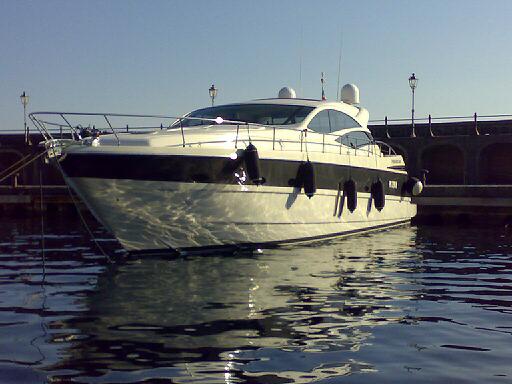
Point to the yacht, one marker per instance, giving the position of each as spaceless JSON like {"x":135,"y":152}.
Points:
{"x":254,"y":174}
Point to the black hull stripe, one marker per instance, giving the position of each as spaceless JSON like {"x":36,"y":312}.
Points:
{"x":220,"y":170}
{"x":266,"y":245}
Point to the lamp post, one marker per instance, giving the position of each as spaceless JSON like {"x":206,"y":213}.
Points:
{"x":413,"y":82}
{"x":213,"y":93}
{"x":24,"y":101}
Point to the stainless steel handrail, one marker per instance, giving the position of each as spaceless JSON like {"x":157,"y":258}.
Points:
{"x":47,"y":126}
{"x":389,"y":148}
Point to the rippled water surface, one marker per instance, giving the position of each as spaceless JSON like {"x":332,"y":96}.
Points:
{"x":413,"y":304}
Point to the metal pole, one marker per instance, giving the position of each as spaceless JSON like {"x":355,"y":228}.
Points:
{"x":27,"y":133}
{"x":182,"y":133}
{"x":413,"y":133}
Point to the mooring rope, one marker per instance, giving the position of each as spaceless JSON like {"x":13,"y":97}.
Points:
{"x":24,"y":165}
{"x":41,"y":207}
{"x":89,"y":231}
{"x":15,"y":164}
{"x":41,"y":199}
{"x":306,"y":142}
{"x":82,"y":219}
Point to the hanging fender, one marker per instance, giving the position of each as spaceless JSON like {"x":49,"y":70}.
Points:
{"x":378,"y":195}
{"x":252,"y":164}
{"x":308,"y":178}
{"x":350,"y":192}
{"x":305,"y":178}
{"x":413,"y":187}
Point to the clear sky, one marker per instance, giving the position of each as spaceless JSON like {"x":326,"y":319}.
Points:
{"x":162,"y":56}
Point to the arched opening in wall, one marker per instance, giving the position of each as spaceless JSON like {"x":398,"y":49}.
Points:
{"x":400,"y":151}
{"x":444,"y":163}
{"x":495,"y":164}
{"x":6,"y":160}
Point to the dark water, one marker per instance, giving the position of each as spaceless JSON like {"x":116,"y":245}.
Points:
{"x":423,"y":305}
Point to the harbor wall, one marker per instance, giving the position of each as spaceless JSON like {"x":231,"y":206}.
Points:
{"x":454,"y":153}
{"x":467,"y":168}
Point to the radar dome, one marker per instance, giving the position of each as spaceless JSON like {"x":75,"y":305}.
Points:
{"x":287,"y":93}
{"x":350,"y":94}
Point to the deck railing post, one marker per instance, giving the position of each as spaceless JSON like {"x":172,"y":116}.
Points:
{"x":323,"y":142}
{"x":274,"y":138}
{"x":476,"y":125}
{"x":430,"y":125}
{"x":182,"y":133}
{"x":112,"y":129}
{"x":236,"y":138}
{"x":386,"y":125}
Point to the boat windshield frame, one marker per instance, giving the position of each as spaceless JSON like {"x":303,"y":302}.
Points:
{"x":262,"y":114}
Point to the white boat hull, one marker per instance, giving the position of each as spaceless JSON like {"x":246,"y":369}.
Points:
{"x":159,"y":215}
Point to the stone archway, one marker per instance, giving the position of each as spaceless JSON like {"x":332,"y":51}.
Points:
{"x":444,"y":163}
{"x":399,"y":150}
{"x":495,"y":164}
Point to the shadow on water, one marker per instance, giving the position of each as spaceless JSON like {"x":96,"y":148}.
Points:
{"x":423,"y":304}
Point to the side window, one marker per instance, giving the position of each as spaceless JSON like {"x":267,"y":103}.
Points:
{"x":320,"y":122}
{"x":356,"y":139}
{"x":340,"y":120}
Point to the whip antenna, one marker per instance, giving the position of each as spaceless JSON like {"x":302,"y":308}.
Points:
{"x":322,"y":81}
{"x":339,"y":70}
{"x":300,"y":60}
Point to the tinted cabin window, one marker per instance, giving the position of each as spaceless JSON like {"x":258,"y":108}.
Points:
{"x":320,"y":122}
{"x":340,"y":120}
{"x":330,"y":120}
{"x":356,"y":139}
{"x":272,"y":114}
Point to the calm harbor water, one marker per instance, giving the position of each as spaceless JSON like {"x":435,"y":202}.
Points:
{"x":413,"y":304}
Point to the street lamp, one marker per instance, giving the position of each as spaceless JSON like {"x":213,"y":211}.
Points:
{"x":213,"y":93}
{"x":24,"y":101}
{"x":413,"y":82}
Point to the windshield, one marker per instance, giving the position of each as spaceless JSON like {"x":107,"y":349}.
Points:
{"x":271,"y":114}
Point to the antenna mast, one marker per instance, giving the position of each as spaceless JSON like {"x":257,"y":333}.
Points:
{"x":322,"y":82}
{"x":300,"y":61}
{"x":339,"y":70}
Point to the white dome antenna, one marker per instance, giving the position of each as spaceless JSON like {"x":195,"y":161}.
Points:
{"x":350,"y":94}
{"x":287,"y":93}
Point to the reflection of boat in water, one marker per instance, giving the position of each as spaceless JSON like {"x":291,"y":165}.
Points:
{"x":199,"y":315}
{"x":262,"y":172}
